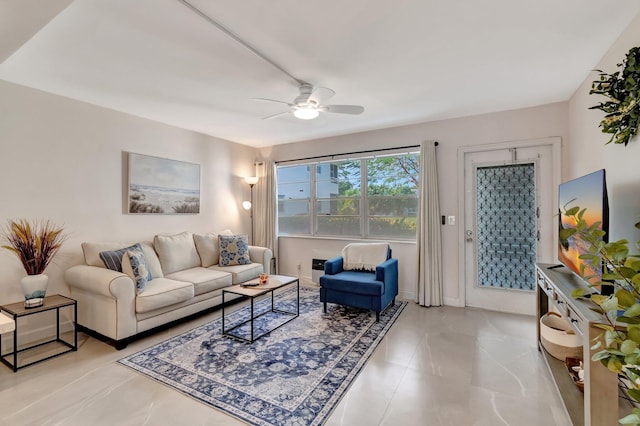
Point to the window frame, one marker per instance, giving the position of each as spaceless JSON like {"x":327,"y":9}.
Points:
{"x":363,"y":199}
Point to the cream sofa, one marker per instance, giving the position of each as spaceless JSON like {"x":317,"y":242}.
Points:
{"x":186,"y":279}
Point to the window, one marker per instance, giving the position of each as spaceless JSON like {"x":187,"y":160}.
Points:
{"x":338,"y":199}
{"x":392,"y":196}
{"x":373,"y":197}
{"x":294,"y":199}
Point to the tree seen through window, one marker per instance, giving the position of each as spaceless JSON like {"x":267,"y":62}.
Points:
{"x":383,"y":204}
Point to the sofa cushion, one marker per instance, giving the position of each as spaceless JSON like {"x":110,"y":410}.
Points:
{"x":234,"y":250}
{"x":176,"y":252}
{"x":353,"y":282}
{"x":208,"y":247}
{"x":204,"y":279}
{"x":139,"y":267}
{"x":161,"y":292}
{"x":241,"y":273}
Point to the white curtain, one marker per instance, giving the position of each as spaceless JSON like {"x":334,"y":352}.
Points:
{"x":429,"y":241}
{"x":264,"y":209}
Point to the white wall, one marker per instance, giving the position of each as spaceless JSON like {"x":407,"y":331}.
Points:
{"x":530,"y":123}
{"x":63,"y":160}
{"x":587,"y":150}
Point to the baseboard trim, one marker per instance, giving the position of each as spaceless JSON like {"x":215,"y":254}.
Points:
{"x":454,"y":301}
{"x":407,"y":295}
{"x":447,"y":301}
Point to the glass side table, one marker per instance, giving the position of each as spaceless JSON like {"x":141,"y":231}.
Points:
{"x":43,"y":349}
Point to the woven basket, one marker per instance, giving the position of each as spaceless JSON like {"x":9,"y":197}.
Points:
{"x":558,"y":338}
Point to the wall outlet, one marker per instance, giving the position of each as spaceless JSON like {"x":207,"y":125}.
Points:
{"x":298,"y":266}
{"x":452,"y":220}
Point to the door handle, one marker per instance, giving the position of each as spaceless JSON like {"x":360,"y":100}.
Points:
{"x":468,"y":235}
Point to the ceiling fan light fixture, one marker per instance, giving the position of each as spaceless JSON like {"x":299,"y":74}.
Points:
{"x":306,"y":113}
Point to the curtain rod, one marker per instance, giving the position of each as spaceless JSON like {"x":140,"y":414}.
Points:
{"x":351,"y":153}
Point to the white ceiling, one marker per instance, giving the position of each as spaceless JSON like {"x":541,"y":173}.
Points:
{"x":405,"y":61}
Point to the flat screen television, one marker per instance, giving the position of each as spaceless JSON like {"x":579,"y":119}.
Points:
{"x":588,"y":192}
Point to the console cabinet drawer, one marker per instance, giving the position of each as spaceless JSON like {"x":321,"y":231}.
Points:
{"x":543,"y":283}
{"x":559,"y":301}
{"x":575,"y":320}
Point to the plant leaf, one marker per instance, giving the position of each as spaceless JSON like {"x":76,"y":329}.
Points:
{"x":633,"y":311}
{"x":577,"y":293}
{"x":631,"y":419}
{"x":614,"y":365}
{"x":598,"y":356}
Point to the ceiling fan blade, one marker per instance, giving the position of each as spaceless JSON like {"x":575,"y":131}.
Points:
{"x":321,"y":94}
{"x":269,"y":117}
{"x":272,"y":100}
{"x":344,"y":109}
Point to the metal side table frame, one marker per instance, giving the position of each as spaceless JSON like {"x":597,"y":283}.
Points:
{"x":18,"y":310}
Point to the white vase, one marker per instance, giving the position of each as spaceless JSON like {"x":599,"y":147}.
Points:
{"x":34,"y":288}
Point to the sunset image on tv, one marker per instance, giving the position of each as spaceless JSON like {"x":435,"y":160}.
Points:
{"x":587,"y":192}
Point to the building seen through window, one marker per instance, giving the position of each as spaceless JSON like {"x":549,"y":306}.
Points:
{"x":369,"y":197}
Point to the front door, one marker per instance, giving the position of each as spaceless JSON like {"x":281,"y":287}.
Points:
{"x":508,"y":223}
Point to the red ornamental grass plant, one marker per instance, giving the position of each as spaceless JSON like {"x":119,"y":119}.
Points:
{"x":35,"y":244}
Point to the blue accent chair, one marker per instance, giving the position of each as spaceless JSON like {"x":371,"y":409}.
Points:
{"x":360,"y":289}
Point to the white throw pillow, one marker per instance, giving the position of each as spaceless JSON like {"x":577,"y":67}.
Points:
{"x":176,"y":252}
{"x":152,"y":259}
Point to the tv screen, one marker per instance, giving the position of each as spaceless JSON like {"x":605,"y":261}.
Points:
{"x":588,"y":192}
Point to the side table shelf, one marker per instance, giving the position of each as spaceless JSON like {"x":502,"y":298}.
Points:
{"x":49,"y":348}
{"x":598,"y":406}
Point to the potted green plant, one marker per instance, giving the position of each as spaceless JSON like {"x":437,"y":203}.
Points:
{"x":618,"y":346}
{"x":35,"y":244}
{"x":622,"y":107}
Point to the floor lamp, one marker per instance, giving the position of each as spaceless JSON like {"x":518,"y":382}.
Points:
{"x":251,"y":180}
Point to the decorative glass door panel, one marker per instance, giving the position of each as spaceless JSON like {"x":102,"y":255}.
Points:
{"x":506,"y":226}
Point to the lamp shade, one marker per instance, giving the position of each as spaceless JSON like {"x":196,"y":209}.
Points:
{"x":246,"y":205}
{"x":306,"y":113}
{"x":251,"y":180}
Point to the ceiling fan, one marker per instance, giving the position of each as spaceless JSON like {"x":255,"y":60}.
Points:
{"x":310,"y":103}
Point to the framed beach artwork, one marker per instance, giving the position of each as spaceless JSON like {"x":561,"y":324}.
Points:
{"x":162,"y":186}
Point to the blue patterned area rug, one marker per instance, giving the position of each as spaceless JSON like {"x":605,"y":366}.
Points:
{"x":295,"y":375}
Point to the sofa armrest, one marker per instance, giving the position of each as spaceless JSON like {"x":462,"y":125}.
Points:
{"x":106,"y":300}
{"x":333,"y":266}
{"x":387,"y":272}
{"x":100,"y":281}
{"x":261,"y":255}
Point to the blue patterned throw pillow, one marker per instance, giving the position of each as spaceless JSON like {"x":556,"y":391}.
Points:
{"x":140,"y":267}
{"x":234,"y":250}
{"x":113,"y":259}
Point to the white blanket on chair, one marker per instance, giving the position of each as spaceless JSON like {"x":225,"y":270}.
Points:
{"x":364,"y":255}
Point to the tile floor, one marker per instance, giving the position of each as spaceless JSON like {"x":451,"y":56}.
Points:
{"x":437,"y":366}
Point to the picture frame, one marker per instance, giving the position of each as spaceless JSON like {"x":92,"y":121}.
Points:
{"x":162,"y":186}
